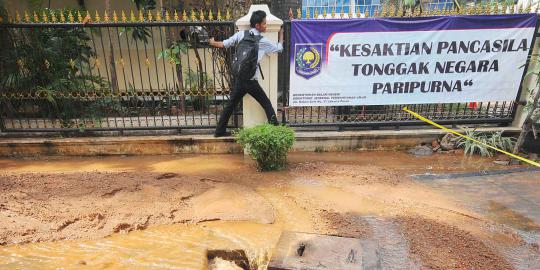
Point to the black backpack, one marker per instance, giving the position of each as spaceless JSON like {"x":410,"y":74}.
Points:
{"x":244,"y":64}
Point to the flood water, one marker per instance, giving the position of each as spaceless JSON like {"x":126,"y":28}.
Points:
{"x":183,"y":246}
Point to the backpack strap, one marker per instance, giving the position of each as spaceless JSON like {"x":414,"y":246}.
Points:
{"x":258,"y":38}
{"x":260,"y":70}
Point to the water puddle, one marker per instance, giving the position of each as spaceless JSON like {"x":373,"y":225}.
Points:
{"x":506,"y":215}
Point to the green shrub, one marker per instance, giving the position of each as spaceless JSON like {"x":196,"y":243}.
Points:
{"x":267,"y":144}
{"x":494,"y":139}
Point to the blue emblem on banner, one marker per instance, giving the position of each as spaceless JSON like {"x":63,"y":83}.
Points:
{"x":307,"y":59}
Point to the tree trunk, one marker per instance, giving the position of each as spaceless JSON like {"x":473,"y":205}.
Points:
{"x":114,"y":76}
{"x":529,"y":122}
{"x":200,"y":73}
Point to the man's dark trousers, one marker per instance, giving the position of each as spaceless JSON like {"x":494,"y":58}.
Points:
{"x":240,"y":89}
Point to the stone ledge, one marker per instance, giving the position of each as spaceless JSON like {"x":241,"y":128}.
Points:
{"x":207,"y":144}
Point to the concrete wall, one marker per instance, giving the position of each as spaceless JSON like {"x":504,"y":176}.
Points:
{"x":205,"y":144}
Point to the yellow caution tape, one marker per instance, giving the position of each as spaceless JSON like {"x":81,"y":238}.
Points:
{"x":469,"y":138}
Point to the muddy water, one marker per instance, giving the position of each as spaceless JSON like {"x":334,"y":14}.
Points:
{"x":183,"y":246}
{"x":162,"y":247}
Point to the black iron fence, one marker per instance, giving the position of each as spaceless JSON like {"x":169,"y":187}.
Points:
{"x":113,"y":73}
{"x":61,"y":71}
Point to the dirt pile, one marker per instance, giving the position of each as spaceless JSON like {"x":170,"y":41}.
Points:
{"x":41,"y":207}
{"x":441,"y":246}
{"x":348,"y":173}
{"x":342,"y":224}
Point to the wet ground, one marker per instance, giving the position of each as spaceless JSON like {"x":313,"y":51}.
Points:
{"x":115,"y":212}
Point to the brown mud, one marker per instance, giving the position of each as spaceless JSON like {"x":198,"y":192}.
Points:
{"x":176,"y":208}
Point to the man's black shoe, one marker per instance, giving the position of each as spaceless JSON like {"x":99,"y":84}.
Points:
{"x":222,"y":134}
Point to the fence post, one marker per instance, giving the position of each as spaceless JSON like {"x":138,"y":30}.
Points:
{"x":252,"y":111}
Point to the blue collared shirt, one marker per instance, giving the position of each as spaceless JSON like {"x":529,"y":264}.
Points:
{"x":265,"y":45}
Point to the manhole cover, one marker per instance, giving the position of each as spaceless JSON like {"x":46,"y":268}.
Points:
{"x":313,"y":251}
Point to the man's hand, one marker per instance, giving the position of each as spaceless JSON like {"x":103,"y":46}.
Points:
{"x":214,"y":43}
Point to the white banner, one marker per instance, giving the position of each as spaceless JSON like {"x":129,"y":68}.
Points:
{"x":408,"y":67}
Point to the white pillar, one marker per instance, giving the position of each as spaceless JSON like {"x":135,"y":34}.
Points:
{"x":253,"y":112}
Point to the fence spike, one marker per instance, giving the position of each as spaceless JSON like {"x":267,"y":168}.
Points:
{"x":316,"y":14}
{"x":87,"y":18}
{"x":417,"y":12}
{"x":299,"y":14}
{"x":308,"y":14}
{"x":291,"y":15}
{"x":36,"y":17}
{"x":210,"y":15}
{"x":132,"y":16}
{"x":496,"y":8}
{"x":115,"y":17}
{"x":228,"y":15}
{"x":71,"y":19}
{"x":97,"y":18}
{"x":44,"y":17}
{"x":79,"y":17}
{"x":333,"y":12}
{"x":53,"y":16}
{"x":17,"y":17}
{"x":193,"y":17}
{"x":358,"y":13}
{"x":399,"y":11}
{"x":184,"y":16}
{"x":528,"y":8}
{"x":512,"y":8}
{"x":62,"y":17}
{"x":47,"y":64}
{"x":520,"y":8}
{"x":325,"y":13}
{"x":366,"y":14}
{"x":141,"y":16}
{"x":150,"y":16}
{"x":26,"y":17}
{"x":350,"y":13}
{"x":383,"y":10}
{"x":201,"y":16}
{"x":219,"y":18}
